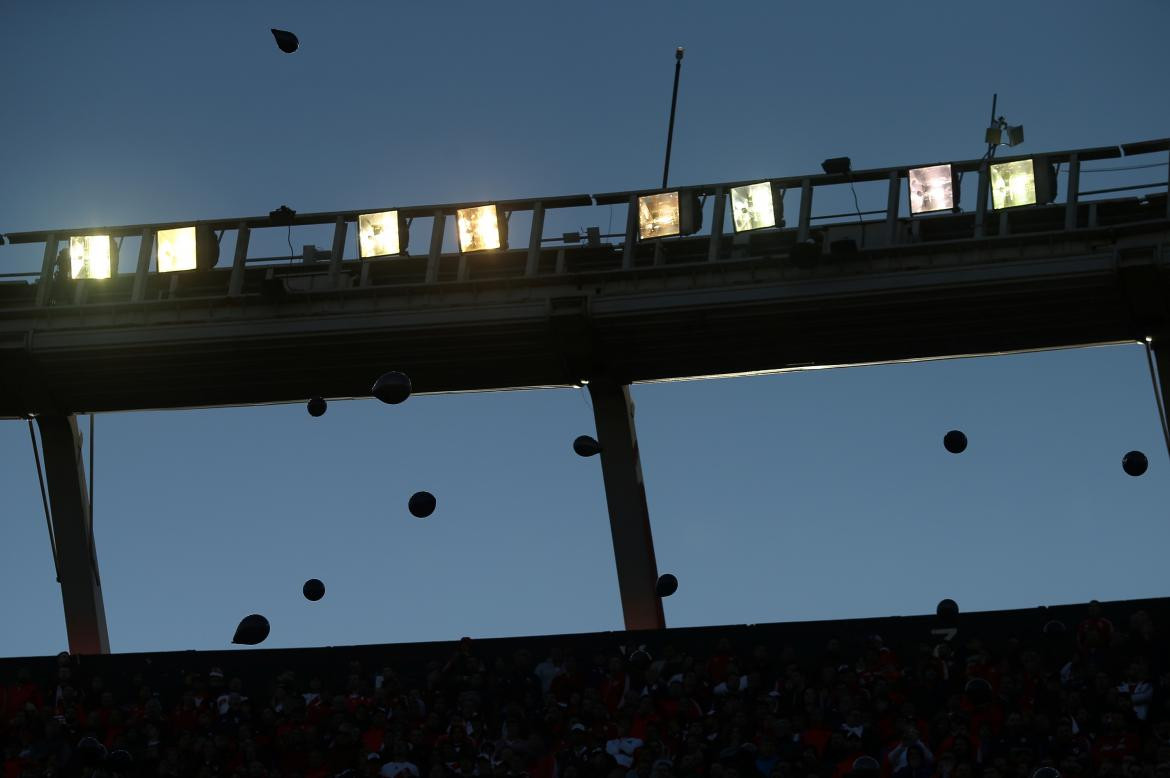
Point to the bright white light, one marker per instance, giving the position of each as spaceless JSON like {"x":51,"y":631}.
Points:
{"x":658,"y":216}
{"x":752,"y":207}
{"x":89,"y":256}
{"x":1013,"y":183}
{"x":931,"y":189}
{"x":176,"y":249}
{"x":479,"y":228}
{"x":378,"y":234}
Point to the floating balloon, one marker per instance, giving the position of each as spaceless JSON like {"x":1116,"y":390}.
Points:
{"x":313,"y":589}
{"x":252,"y":631}
{"x":666,"y":586}
{"x":1134,"y":463}
{"x":955,"y":442}
{"x":421,"y":504}
{"x":287,"y":42}
{"x":586,"y":446}
{"x":317,"y":407}
{"x":392,"y":387}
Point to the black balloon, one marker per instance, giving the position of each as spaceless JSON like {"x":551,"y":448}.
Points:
{"x":392,"y":387}
{"x":1135,"y":463}
{"x":421,"y":504}
{"x":287,"y":42}
{"x":666,"y":586}
{"x":317,"y":406}
{"x":313,"y":589}
{"x":586,"y":446}
{"x":955,"y":442}
{"x":947,"y":609}
{"x":252,"y":630}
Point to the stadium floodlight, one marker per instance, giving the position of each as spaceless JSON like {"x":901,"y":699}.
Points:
{"x":931,"y":189}
{"x":89,"y":256}
{"x":1013,"y":184}
{"x":754,"y":207}
{"x":479,"y":229}
{"x":668,"y":214}
{"x":378,"y":234}
{"x":176,"y":250}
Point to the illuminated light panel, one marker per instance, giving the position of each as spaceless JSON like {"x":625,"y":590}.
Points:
{"x":176,"y":249}
{"x":1013,"y":184}
{"x":658,"y":216}
{"x":89,"y":256}
{"x":479,"y":228}
{"x":752,"y":207}
{"x":378,"y":234}
{"x":931,"y":189}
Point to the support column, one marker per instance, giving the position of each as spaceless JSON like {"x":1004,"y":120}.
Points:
{"x":81,"y":590}
{"x":625,"y":494}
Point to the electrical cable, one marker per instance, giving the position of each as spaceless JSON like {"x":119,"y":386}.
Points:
{"x":44,"y":499}
{"x":857,"y":206}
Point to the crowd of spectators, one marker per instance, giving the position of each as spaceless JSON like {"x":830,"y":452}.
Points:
{"x":1088,"y":699}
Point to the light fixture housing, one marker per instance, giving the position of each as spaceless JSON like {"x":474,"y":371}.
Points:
{"x":837,"y":166}
{"x":668,"y":214}
{"x":176,"y":250}
{"x":480,"y":229}
{"x":931,"y":188}
{"x":90,"y":256}
{"x":1022,"y":182}
{"x":381,"y":234}
{"x":756,"y":207}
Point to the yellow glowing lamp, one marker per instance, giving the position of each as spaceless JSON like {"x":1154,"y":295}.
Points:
{"x":667,"y":214}
{"x":89,"y":256}
{"x":176,"y":250}
{"x":378,"y":234}
{"x":931,"y":189}
{"x":479,"y":229}
{"x":754,"y":207}
{"x":1013,"y":184}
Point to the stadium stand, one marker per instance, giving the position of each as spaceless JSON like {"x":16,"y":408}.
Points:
{"x":1079,"y":690}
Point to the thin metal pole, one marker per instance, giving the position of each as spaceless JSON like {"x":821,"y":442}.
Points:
{"x":678,"y":55}
{"x":44,"y":499}
{"x":991,"y":146}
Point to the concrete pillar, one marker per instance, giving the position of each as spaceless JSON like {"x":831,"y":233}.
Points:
{"x":625,"y":494}
{"x":81,"y":591}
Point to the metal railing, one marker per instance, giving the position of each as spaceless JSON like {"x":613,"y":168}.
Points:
{"x":439,"y":266}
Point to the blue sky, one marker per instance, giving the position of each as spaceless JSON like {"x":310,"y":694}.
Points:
{"x":822,"y":494}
